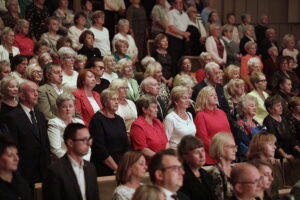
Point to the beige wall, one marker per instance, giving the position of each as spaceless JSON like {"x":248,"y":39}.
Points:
{"x":284,"y":15}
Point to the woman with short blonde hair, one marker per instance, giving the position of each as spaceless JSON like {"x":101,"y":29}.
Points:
{"x":9,"y":88}
{"x":34,"y":73}
{"x":7,"y":50}
{"x":205,"y":120}
{"x":109,"y":64}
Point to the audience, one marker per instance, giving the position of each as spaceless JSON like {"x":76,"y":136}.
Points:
{"x":13,"y":186}
{"x":64,"y":16}
{"x":7,"y":50}
{"x":87,"y":38}
{"x":250,"y":47}
{"x":9,"y":88}
{"x":121,"y":50}
{"x":130,"y":173}
{"x":289,"y":47}
{"x":207,"y":112}
{"x":260,"y":29}
{"x":109,"y":134}
{"x":11,"y":17}
{"x":271,"y":65}
{"x":185,"y":67}
{"x":158,"y":13}
{"x":248,"y":36}
{"x":72,"y":177}
{"x":22,"y":40}
{"x":267,"y":42}
{"x":19,"y":64}
{"x":87,"y":101}
{"x":147,"y":133}
{"x":76,"y":30}
{"x":5,"y":69}
{"x":231,"y":20}
{"x":223,"y":149}
{"x":149,"y":192}
{"x":51,"y":37}
{"x":197,"y":182}
{"x":109,"y":64}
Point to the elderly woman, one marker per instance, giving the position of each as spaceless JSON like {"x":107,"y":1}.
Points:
{"x":205,"y":121}
{"x":259,"y":82}
{"x":57,"y":125}
{"x":223,"y":149}
{"x":75,"y":31}
{"x":251,"y":53}
{"x":52,"y":36}
{"x":179,"y":122}
{"x":19,"y":64}
{"x":235,"y":89}
{"x":155,"y":70}
{"x":245,"y":127}
{"x":34,"y":73}
{"x":87,"y":40}
{"x":7,"y":50}
{"x":253,"y":65}
{"x":284,"y":72}
{"x":198,"y":32}
{"x":22,"y":41}
{"x":67,"y":57}
{"x":161,"y":55}
{"x":271,"y":65}
{"x":281,"y":127}
{"x":131,"y":172}
{"x":9,"y":91}
{"x":5,"y":69}
{"x":126,"y":72}
{"x":232,"y":49}
{"x":147,"y":132}
{"x":64,"y":42}
{"x":64,"y":15}
{"x":231,"y":72}
{"x":87,"y":101}
{"x":215,"y":46}
{"x":12,"y":16}
{"x":289,"y":47}
{"x":126,"y":109}
{"x":44,"y":59}
{"x":158,"y":16}
{"x":294,"y":106}
{"x":205,"y":57}
{"x":80,"y":62}
{"x":102,"y":40}
{"x":37,"y":14}
{"x":109,"y":134}
{"x":12,"y":185}
{"x":197,"y":182}
{"x":123,"y":27}
{"x":109,"y":64}
{"x":121,"y":50}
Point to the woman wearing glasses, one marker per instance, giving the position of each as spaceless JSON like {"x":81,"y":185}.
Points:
{"x":87,"y":101}
{"x":223,"y":149}
{"x":197,"y":183}
{"x":34,"y":73}
{"x":57,"y":125}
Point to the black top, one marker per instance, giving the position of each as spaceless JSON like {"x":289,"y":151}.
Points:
{"x":194,"y":46}
{"x":18,"y":189}
{"x":260,"y":33}
{"x":102,"y":86}
{"x":5,"y":108}
{"x":90,"y":52}
{"x":296,"y":126}
{"x":110,"y":139}
{"x":197,"y":187}
{"x":286,"y":138}
{"x":166,"y":63}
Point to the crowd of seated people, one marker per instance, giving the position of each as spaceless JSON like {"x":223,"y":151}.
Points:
{"x":79,"y":93}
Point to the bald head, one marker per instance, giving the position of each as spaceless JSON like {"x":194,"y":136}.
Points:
{"x":28,"y":94}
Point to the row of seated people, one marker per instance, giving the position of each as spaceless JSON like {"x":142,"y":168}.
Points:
{"x":175,"y":174}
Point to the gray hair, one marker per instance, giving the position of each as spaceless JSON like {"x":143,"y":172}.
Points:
{"x":146,"y":82}
{"x":49,"y":67}
{"x":210,"y":66}
{"x":245,"y":99}
{"x":121,"y":64}
{"x":122,"y":22}
{"x":64,"y":97}
{"x":63,"y":51}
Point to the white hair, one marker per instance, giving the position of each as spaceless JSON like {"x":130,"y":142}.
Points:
{"x":253,"y":61}
{"x":209,"y":67}
{"x":64,"y":51}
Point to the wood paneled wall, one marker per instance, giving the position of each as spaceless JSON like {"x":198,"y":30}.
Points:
{"x":284,"y":15}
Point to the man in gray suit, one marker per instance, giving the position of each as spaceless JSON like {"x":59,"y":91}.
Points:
{"x":49,"y":92}
{"x":71,"y":177}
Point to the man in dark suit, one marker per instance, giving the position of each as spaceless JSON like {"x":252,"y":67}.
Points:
{"x":167,"y":172}
{"x":268,"y":42}
{"x":150,"y":87}
{"x":212,"y":78}
{"x":29,"y":128}
{"x":71,"y":177}
{"x":246,"y":181}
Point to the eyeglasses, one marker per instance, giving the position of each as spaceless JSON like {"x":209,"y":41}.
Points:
{"x":256,"y":181}
{"x":85,"y":140}
{"x":176,"y":168}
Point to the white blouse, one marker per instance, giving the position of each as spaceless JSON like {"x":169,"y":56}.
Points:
{"x":176,"y":128}
{"x":94,"y":104}
{"x":128,"y":112}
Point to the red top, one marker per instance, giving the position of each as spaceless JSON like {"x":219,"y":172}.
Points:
{"x":200,"y":75}
{"x":143,"y":135}
{"x":83,"y":105}
{"x":208,"y":123}
{"x":220,"y":48}
{"x":25,"y":44}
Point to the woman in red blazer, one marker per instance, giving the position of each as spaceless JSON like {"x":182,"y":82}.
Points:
{"x":87,"y":101}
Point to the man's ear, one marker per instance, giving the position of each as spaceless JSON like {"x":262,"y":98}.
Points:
{"x":239,"y":188}
{"x":158,"y":175}
{"x":69,"y":143}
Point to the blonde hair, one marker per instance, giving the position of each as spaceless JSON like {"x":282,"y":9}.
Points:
{"x":30,"y":69}
{"x":177,"y":92}
{"x":148,"y":192}
{"x":117,"y":83}
{"x":5,"y":32}
{"x":229,"y":71}
{"x":249,"y":44}
{"x":80,"y":57}
{"x":120,"y":42}
{"x":4,"y":84}
{"x":202,"y":98}
{"x":106,"y":59}
{"x":183,"y":80}
{"x":152,"y":68}
{"x":121,"y":64}
{"x":233,"y":85}
{"x":218,"y":142}
{"x":106,"y":95}
{"x":286,"y":39}
{"x":20,"y":24}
